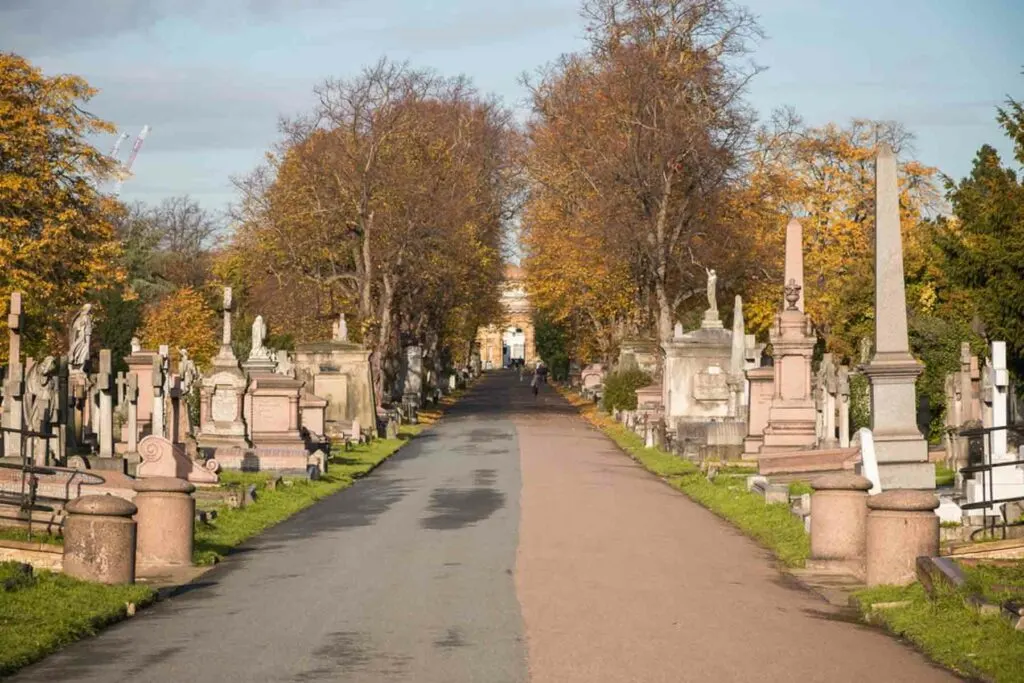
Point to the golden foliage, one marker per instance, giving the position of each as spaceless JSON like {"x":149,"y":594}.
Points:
{"x":182,"y":320}
{"x":57,"y":240}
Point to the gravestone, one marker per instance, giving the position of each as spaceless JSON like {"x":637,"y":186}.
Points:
{"x":14,"y":383}
{"x":221,"y":394}
{"x":132,"y":399}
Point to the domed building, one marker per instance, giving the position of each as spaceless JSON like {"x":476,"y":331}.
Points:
{"x":514,"y":338}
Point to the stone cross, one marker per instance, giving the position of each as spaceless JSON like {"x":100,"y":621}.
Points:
{"x":122,"y":383}
{"x":1000,"y":384}
{"x":14,"y":386}
{"x":174,"y":428}
{"x":228,"y":305}
{"x":104,"y":386}
{"x":132,"y":396}
{"x":158,"y":397}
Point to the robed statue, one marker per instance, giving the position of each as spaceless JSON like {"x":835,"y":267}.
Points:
{"x":81,"y":336}
{"x":259,"y":335}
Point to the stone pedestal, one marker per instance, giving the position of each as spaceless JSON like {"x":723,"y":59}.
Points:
{"x":340,"y":373}
{"x":791,"y":416}
{"x":220,"y":407}
{"x":99,"y":539}
{"x":902,"y":526}
{"x":166,"y":521}
{"x":839,"y":515}
{"x":762,"y":389}
{"x":312,"y":411}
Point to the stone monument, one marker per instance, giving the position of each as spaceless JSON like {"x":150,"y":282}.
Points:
{"x":901,"y":448}
{"x":791,"y":416}
{"x":221,"y":393}
{"x":261,"y":359}
{"x":339,"y":371}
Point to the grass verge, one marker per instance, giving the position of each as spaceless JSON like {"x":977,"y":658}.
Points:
{"x":774,"y":526}
{"x":16,"y":534}
{"x":949,"y":631}
{"x":215,"y":539}
{"x":46,"y":611}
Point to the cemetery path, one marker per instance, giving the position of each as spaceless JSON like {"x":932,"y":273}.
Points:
{"x":511,"y":542}
{"x":621,"y":578}
{"x":405,"y":576}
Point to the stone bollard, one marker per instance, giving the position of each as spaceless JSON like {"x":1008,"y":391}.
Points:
{"x":902,"y":526}
{"x":167,"y":513}
{"x":839,"y":516}
{"x":99,"y":539}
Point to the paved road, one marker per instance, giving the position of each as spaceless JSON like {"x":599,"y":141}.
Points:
{"x":406,"y":576}
{"x":429,"y":571}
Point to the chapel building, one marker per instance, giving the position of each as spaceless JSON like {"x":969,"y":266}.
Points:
{"x":513,"y":340}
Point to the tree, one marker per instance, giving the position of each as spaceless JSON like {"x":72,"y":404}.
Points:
{"x":825,"y":176}
{"x":57,"y":239}
{"x":182,"y":320}
{"x":387,"y":202}
{"x":187,"y":235}
{"x":984,"y":240}
{"x":651,"y":120}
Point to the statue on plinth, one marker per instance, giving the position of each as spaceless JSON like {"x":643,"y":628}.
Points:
{"x":259,"y":335}
{"x":81,"y":336}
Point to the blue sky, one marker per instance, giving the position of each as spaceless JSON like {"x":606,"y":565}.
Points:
{"x":212,"y":77}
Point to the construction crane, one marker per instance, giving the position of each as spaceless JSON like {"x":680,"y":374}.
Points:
{"x":117,"y":145}
{"x":126,"y":170}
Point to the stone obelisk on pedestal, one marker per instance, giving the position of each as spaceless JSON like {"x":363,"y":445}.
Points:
{"x":901,"y":449}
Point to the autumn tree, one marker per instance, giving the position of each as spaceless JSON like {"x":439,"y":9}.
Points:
{"x":387,"y":202}
{"x":182,"y":320}
{"x":57,"y":238}
{"x":652,"y":121}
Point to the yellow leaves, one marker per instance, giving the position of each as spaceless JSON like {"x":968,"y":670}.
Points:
{"x":182,"y":320}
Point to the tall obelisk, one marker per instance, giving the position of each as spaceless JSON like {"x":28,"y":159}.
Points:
{"x":901,"y":449}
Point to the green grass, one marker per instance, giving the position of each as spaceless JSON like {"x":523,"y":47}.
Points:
{"x":950,"y":632}
{"x":799,"y":488}
{"x":17,"y":534}
{"x":996,"y":583}
{"x":51,"y":610}
{"x":943,"y":475}
{"x":774,"y":526}
{"x":215,"y":539}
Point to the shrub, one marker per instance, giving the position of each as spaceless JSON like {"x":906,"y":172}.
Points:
{"x":620,"y":388}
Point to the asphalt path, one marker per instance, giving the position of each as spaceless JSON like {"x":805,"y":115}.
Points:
{"x":405,"y":576}
{"x":509,"y":542}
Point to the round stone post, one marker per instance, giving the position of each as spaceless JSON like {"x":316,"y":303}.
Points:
{"x":166,"y":519}
{"x":99,"y":539}
{"x":839,"y":515}
{"x":902,"y":526}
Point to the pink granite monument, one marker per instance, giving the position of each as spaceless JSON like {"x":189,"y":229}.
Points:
{"x":901,"y":448}
{"x":791,"y":417}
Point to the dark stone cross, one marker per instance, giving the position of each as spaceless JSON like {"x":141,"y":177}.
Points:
{"x":122,"y":385}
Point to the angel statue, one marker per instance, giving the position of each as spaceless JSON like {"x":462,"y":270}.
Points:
{"x":41,"y":391}
{"x":81,"y":336}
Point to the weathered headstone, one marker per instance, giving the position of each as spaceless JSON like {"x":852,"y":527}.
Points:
{"x":14,"y":385}
{"x":901,"y":448}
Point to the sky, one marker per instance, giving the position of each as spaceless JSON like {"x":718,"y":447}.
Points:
{"x":213,"y":77}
